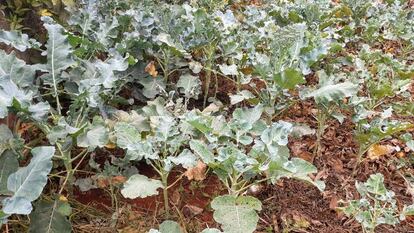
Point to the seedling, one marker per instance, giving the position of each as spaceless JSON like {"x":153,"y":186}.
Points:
{"x":376,"y":206}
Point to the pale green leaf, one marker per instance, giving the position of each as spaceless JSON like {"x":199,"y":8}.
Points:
{"x":48,"y":219}
{"x":211,"y":230}
{"x":407,"y":211}
{"x":333,"y":92}
{"x":140,"y":186}
{"x":167,"y":226}
{"x":152,"y":86}
{"x":229,"y":69}
{"x":170,"y":227}
{"x":289,"y":78}
{"x":236,"y":214}
{"x":185,"y":158}
{"x":375,"y":184}
{"x":9,"y":92}
{"x":239,"y":97}
{"x":58,"y":54}
{"x":6,"y":136}
{"x":410,"y":144}
{"x":201,"y":149}
{"x":108,"y":68}
{"x":295,"y":168}
{"x":8,"y":165}
{"x":20,"y":73}
{"x":27,"y":183}
{"x":18,"y":40}
{"x":189,"y":85}
{"x":96,"y":135}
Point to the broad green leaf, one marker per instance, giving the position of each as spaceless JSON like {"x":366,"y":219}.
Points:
{"x":18,"y":40}
{"x":375,"y":184}
{"x":195,"y":66}
{"x":96,"y":135}
{"x":229,"y":69}
{"x":47,"y":218}
{"x":20,"y":73}
{"x":277,"y":133}
{"x":236,"y":214}
{"x":168,"y":226}
{"x":60,"y":131}
{"x":407,"y":211}
{"x":239,"y":97}
{"x":202,"y":150}
{"x":107,"y":31}
{"x":333,"y":92}
{"x":134,"y":119}
{"x":58,"y":55}
{"x":140,"y":186}
{"x":338,"y":116}
{"x":27,"y":183}
{"x":189,"y":85}
{"x":244,"y":118}
{"x":85,"y":184}
{"x":6,"y":136}
{"x":295,"y":168}
{"x":8,"y":165}
{"x":211,"y":230}
{"x":410,"y":144}
{"x":108,"y":68}
{"x":185,"y":158}
{"x":39,"y":111}
{"x":2,"y":215}
{"x":289,"y":78}
{"x":10,"y":92}
{"x":127,"y":136}
{"x":167,"y":40}
{"x":152,"y":86}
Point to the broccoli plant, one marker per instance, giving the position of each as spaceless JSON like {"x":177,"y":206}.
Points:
{"x":157,"y":134}
{"x":329,"y":98}
{"x":244,"y":151}
{"x":376,"y":206}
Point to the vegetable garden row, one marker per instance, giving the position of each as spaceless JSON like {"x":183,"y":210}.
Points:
{"x":227,"y":115}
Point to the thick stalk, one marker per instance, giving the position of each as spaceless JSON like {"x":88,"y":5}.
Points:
{"x":67,"y":162}
{"x":209,"y":64}
{"x":164,"y":180}
{"x":321,"y":118}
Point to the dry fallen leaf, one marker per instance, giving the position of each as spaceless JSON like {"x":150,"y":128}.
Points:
{"x":197,"y":173}
{"x":191,"y":210}
{"x":103,"y":182}
{"x":376,"y":151}
{"x":118,"y":179}
{"x":150,"y":69}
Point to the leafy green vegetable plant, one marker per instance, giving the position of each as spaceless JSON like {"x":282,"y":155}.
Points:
{"x":376,"y":206}
{"x":242,"y":152}
{"x":158,"y":135}
{"x":329,"y":96}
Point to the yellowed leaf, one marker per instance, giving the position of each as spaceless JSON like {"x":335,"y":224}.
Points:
{"x":151,"y":70}
{"x":377,"y":150}
{"x":110,"y":145}
{"x":197,"y":173}
{"x":63,"y":198}
{"x":44,"y":12}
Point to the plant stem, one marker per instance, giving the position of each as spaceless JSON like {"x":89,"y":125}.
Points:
{"x":209,"y":63}
{"x":164,"y":180}
{"x":321,"y":118}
